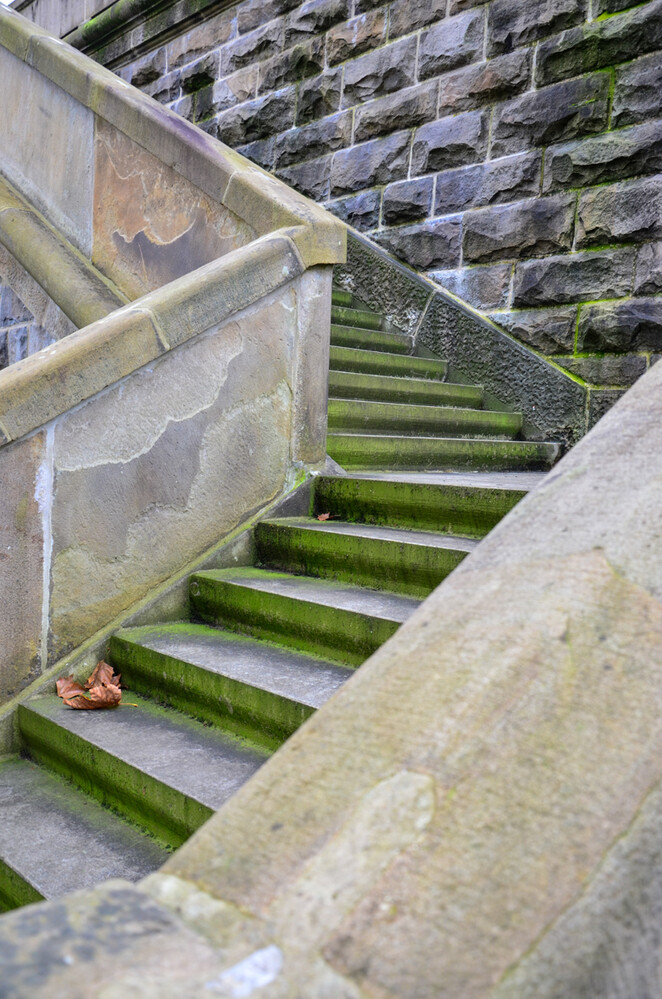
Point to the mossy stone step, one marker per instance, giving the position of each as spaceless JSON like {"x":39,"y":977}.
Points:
{"x":345,"y":299}
{"x":380,"y":362}
{"x":340,"y":622}
{"x":254,"y":689}
{"x":412,"y":562}
{"x":364,"y":451}
{"x":386,"y":388}
{"x":161,"y":770}
{"x":362,"y":339}
{"x":54,"y":839}
{"x":361,"y":318}
{"x":356,"y":416}
{"x":464,"y":510}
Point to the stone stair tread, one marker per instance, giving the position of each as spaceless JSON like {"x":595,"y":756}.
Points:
{"x":396,"y":535}
{"x":359,"y":359}
{"x":59,"y":840}
{"x":360,"y":415}
{"x":358,"y":337}
{"x":348,"y":385}
{"x":276,"y":669}
{"x":518,"y":481}
{"x":362,"y":318}
{"x":362,"y":600}
{"x":195,"y":760}
{"x":439,"y":453}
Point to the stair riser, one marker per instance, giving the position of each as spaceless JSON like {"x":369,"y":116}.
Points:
{"x":425,"y":454}
{"x":458,"y":510}
{"x":382,"y":363}
{"x":360,"y":339}
{"x":15,"y":891}
{"x":346,"y":637}
{"x":404,"y":568}
{"x":371,"y":418}
{"x":413,"y":391}
{"x":266,"y":719}
{"x":167,"y":814}
{"x":343,"y":298}
{"x":360,"y":318}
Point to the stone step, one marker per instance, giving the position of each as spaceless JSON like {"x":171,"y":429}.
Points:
{"x":251,"y":688}
{"x":386,"y":388}
{"x":356,"y":451}
{"x":318,"y":616}
{"x":362,"y":318}
{"x":380,"y":362}
{"x":357,"y":415}
{"x":393,"y":558}
{"x":54,"y":839}
{"x":344,"y":298}
{"x":466,"y":509}
{"x":362,"y":339}
{"x":161,"y":770}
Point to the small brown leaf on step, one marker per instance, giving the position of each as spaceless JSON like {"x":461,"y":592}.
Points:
{"x":323,"y":516}
{"x":103,"y":689}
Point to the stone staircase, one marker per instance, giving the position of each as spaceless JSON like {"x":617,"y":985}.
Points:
{"x":105,"y":794}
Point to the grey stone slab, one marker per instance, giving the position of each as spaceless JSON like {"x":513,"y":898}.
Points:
{"x":508,"y":179}
{"x":531,"y":228}
{"x":520,"y":481}
{"x":408,"y":200}
{"x":453,"y":42}
{"x":557,"y":113}
{"x":513,"y":23}
{"x":627,"y":152}
{"x":621,"y":213}
{"x":637,"y":91}
{"x":380,"y":72}
{"x":402,"y":109}
{"x":450,"y":142}
{"x":360,"y":600}
{"x":370,"y":163}
{"x":484,"y":287}
{"x":631,"y":324}
{"x":648,"y":275}
{"x":277,"y":670}
{"x":484,"y":82}
{"x":574,"y":277}
{"x":197,"y":761}
{"x":427,"y":245}
{"x":552,"y":331}
{"x":396,"y":535}
{"x":59,"y":840}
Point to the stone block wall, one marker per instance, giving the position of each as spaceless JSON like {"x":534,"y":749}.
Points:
{"x":510,"y":149}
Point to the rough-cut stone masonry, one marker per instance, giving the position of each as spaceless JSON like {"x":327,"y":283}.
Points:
{"x":20,"y":333}
{"x":511,"y":149}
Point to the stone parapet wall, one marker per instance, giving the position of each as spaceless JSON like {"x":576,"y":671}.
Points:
{"x":20,"y":333}
{"x":509,"y":149}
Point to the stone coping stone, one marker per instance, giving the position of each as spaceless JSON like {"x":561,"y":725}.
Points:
{"x":45,"y":385}
{"x":253,"y":194}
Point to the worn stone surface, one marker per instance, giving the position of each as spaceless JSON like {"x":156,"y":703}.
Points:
{"x":579,"y":277}
{"x":121,"y":520}
{"x":301,"y":61}
{"x":427,"y":246}
{"x":648,"y":275}
{"x":483,"y":82}
{"x":637,"y":91}
{"x":379,"y":72}
{"x":405,"y":109}
{"x":607,"y":369}
{"x":507,"y":179}
{"x":359,"y":210}
{"x":314,"y":140}
{"x":627,"y":212}
{"x":318,"y":96}
{"x":314,"y":17}
{"x":530,"y":228}
{"x":512,"y":23}
{"x":311,"y":178}
{"x":35,"y":116}
{"x":257,"y":119}
{"x":450,"y":142}
{"x":551,"y":331}
{"x":407,"y":200}
{"x":628,"y":152}
{"x":635,"y":324}
{"x":150,"y":225}
{"x":451,"y":43}
{"x":25,"y":473}
{"x":482,"y":287}
{"x":348,"y":40}
{"x":371,"y":163}
{"x":601,"y":43}
{"x":408,"y":15}
{"x":564,"y":111}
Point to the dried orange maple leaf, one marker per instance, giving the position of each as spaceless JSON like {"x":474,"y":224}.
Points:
{"x":102,"y":689}
{"x":323,"y":516}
